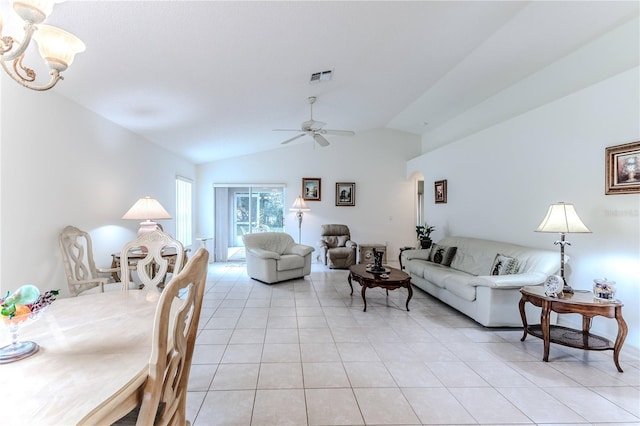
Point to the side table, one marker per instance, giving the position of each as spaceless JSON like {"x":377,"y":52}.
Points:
{"x":400,"y":255}
{"x":366,"y":252}
{"x":583,"y":303}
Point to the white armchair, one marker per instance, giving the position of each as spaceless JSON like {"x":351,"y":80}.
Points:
{"x":274,"y":257}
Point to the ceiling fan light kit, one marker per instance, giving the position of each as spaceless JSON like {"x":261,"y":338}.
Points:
{"x":314,"y":129}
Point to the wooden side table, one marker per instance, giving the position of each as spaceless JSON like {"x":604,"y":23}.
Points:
{"x":583,"y":303}
{"x":366,"y":252}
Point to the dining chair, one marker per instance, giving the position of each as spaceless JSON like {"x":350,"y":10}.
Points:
{"x":79,"y":266}
{"x":155,"y":254}
{"x":164,"y":397}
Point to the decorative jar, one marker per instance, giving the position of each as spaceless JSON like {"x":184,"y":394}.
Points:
{"x":604,"y":289}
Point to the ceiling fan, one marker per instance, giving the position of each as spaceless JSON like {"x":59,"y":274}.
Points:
{"x":314,"y":129}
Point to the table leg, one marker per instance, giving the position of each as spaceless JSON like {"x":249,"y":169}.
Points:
{"x":410,"y":291}
{"x":546,"y":332}
{"x":349,"y":279}
{"x":523,"y":316}
{"x":364,"y":299}
{"x":622,"y":334}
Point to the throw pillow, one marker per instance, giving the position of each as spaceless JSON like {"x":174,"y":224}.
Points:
{"x":331,"y":241}
{"x":504,"y":265}
{"x":442,"y":254}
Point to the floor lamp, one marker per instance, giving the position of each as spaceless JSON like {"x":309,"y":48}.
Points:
{"x":299,"y":206}
{"x":563,"y":219}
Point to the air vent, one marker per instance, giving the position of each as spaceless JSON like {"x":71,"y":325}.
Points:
{"x":318,"y":77}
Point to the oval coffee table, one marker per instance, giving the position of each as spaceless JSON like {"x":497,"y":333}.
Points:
{"x":396,"y":279}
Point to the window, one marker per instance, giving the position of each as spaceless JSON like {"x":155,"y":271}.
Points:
{"x":183,"y":210}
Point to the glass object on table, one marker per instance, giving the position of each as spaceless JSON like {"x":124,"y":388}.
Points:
{"x":18,"y":350}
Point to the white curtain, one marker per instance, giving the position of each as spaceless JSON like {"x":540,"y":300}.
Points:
{"x":221,"y":224}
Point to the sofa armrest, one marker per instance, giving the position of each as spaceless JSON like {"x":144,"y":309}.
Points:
{"x":416,"y":254}
{"x":301,"y":249}
{"x":350,"y":244}
{"x":263,"y":254}
{"x":508,"y":281}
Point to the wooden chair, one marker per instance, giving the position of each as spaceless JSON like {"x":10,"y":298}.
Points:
{"x":79,"y":266}
{"x":149,"y":253}
{"x":164,"y":397}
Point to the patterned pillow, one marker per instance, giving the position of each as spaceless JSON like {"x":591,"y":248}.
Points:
{"x":442,"y":254}
{"x":504,"y":265}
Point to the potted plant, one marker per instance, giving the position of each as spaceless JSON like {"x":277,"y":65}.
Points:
{"x":424,"y":235}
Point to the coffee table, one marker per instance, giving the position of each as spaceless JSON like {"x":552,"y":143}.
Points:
{"x":367,"y":279}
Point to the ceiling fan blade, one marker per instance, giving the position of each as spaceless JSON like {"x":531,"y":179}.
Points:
{"x":320,"y":139}
{"x":287,"y":130}
{"x":293,"y":138}
{"x":337,"y":132}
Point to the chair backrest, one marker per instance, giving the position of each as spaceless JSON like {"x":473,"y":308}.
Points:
{"x":335,"y":235}
{"x":77,"y":254}
{"x":154,"y":254}
{"x":278,"y":242}
{"x":174,"y":336}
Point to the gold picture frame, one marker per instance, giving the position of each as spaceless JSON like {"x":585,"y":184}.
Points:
{"x":440,"y":191}
{"x":622,"y":168}
{"x":311,"y":189}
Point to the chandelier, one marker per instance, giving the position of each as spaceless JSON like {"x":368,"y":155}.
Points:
{"x":57,"y":47}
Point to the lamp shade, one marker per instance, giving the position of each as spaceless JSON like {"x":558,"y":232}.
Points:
{"x":57,"y":47}
{"x":147,"y":208}
{"x":299,"y":205}
{"x":562,"y":218}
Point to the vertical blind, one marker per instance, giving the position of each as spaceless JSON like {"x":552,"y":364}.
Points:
{"x":184,"y":210}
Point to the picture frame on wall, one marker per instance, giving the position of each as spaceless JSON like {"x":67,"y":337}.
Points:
{"x":311,"y":189}
{"x":345,"y":194}
{"x":440,"y":191}
{"x":622,"y":166}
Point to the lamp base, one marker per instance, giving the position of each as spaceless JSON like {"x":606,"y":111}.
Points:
{"x":146,"y":227}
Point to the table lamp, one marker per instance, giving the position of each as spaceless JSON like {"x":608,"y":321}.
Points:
{"x":299,"y":206}
{"x":147,"y":209}
{"x":563,"y":219}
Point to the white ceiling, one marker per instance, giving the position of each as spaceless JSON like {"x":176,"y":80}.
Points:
{"x":210,"y":80}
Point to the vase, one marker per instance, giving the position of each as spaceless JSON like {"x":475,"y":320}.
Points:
{"x":425,"y":244}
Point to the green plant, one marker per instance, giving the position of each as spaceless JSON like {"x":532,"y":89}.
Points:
{"x":424,"y":232}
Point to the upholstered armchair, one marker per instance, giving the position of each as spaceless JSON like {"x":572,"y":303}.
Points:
{"x":336,"y":248}
{"x":274,"y":257}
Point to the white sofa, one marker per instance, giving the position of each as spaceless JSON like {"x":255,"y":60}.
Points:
{"x":468,"y":284}
{"x":274,"y":257}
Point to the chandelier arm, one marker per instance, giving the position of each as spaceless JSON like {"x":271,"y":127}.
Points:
{"x":8,"y":42}
{"x":55,"y":76}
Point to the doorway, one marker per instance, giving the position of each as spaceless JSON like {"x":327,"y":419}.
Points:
{"x":245,"y":209}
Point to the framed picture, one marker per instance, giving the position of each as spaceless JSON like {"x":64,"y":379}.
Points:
{"x":440,"y":191}
{"x":311,"y":189}
{"x":623,"y":169}
{"x":345,"y":194}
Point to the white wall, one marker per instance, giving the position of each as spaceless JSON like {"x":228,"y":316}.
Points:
{"x":501,"y":181}
{"x":63,"y":165}
{"x":375,"y":161}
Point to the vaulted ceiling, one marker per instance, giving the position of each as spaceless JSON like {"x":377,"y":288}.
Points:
{"x":210,"y":80}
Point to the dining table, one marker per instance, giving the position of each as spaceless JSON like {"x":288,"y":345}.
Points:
{"x":91,"y":364}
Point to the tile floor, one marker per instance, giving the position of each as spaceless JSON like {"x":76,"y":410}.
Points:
{"x":303,"y":353}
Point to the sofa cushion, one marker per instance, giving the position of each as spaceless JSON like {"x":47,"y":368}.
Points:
{"x":437,"y":274}
{"x":458,"y":284}
{"x":504,"y":265}
{"x":340,"y":252}
{"x":416,"y":267}
{"x":290,"y":261}
{"x":442,"y":254}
